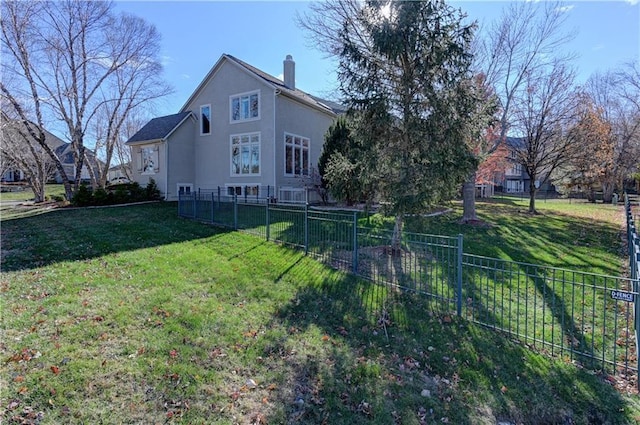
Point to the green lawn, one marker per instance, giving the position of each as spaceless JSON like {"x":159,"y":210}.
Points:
{"x":132,"y":315}
{"x":27,"y":194}
{"x":570,"y":234}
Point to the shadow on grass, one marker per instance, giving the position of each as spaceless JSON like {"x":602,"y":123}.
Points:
{"x":80,"y":234}
{"x":552,"y":238}
{"x":390,"y":359}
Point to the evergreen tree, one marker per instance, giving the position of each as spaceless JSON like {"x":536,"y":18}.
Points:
{"x":412,"y":89}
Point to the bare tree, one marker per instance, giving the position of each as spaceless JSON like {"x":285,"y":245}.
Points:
{"x":616,"y":94}
{"x":328,"y":20}
{"x":21,"y":151}
{"x":542,"y":115}
{"x":527,"y":38}
{"x":77,"y":62}
{"x":627,"y":121}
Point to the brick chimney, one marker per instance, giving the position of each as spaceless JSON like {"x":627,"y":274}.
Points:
{"x":289,"y":73}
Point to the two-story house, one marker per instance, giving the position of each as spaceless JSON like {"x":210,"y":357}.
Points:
{"x":516,"y":179}
{"x":241,"y":130}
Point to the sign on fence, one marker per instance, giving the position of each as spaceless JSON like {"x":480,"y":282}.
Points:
{"x":623,"y":296}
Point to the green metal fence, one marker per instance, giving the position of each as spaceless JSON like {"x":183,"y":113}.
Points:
{"x":633,"y":244}
{"x":583,"y":317}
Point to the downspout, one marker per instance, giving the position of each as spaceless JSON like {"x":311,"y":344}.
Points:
{"x":276,"y":92}
{"x":166,"y":174}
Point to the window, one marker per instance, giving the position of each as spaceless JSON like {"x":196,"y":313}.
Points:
{"x":296,"y":155}
{"x":245,"y":154}
{"x":244,"y":190}
{"x":205,"y":120}
{"x":185,"y":188}
{"x":149,"y":160}
{"x":245,"y":107}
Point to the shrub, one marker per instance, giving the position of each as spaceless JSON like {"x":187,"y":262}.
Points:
{"x":116,"y":194}
{"x":136,"y":192}
{"x":102,"y":197}
{"x":83,"y":197}
{"x":120,"y":193}
{"x":152,"y":191}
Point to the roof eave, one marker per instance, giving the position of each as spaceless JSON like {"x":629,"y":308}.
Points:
{"x":212,"y":72}
{"x":190,"y":114}
{"x":145,"y":142}
{"x":308,"y":103}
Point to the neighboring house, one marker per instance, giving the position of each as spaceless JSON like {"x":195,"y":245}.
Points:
{"x":13,"y":175}
{"x":242,"y":130}
{"x":65,"y":153}
{"x":515,"y":178}
{"x":120,"y":172}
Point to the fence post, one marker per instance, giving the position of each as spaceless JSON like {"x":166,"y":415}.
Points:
{"x":235,"y":211}
{"x":267,"y":230}
{"x":459,"y":286}
{"x":195,"y":205}
{"x":355,"y":242}
{"x":213,"y":208}
{"x":179,"y":204}
{"x":306,"y":228}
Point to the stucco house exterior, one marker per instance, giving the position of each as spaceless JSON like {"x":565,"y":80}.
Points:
{"x":242,"y":130}
{"x":516,"y":179}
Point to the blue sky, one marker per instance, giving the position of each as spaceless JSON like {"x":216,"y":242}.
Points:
{"x":262,"y":33}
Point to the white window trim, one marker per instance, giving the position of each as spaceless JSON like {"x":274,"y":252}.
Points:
{"x":241,"y":186}
{"x":156,"y":165}
{"x":200,"y":119}
{"x":189,"y":185}
{"x":253,"y":133}
{"x":284,"y":143}
{"x":239,"y":95}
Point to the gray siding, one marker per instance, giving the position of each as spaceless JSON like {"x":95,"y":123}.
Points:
{"x":212,"y":153}
{"x":160,"y":176}
{"x":181,"y":156}
{"x":296,"y":118}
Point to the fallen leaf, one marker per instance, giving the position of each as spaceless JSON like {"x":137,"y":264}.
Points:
{"x":503,"y":389}
{"x":18,"y":378}
{"x":325,"y":337}
{"x":173,"y":354}
{"x":55,"y":370}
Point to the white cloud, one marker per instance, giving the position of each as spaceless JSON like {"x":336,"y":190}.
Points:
{"x":280,"y":77}
{"x":185,"y":76}
{"x":632,"y":2}
{"x":564,"y":9}
{"x":598,"y":46}
{"x":166,"y":60}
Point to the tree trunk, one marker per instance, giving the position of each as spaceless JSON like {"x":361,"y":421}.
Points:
{"x":607,"y":192}
{"x":38,"y":186}
{"x":396,"y":238}
{"x":532,"y":198}
{"x":469,"y":199}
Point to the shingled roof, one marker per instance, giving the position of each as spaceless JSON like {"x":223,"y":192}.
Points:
{"x":294,"y":93}
{"x":328,"y":106}
{"x":159,"y":128}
